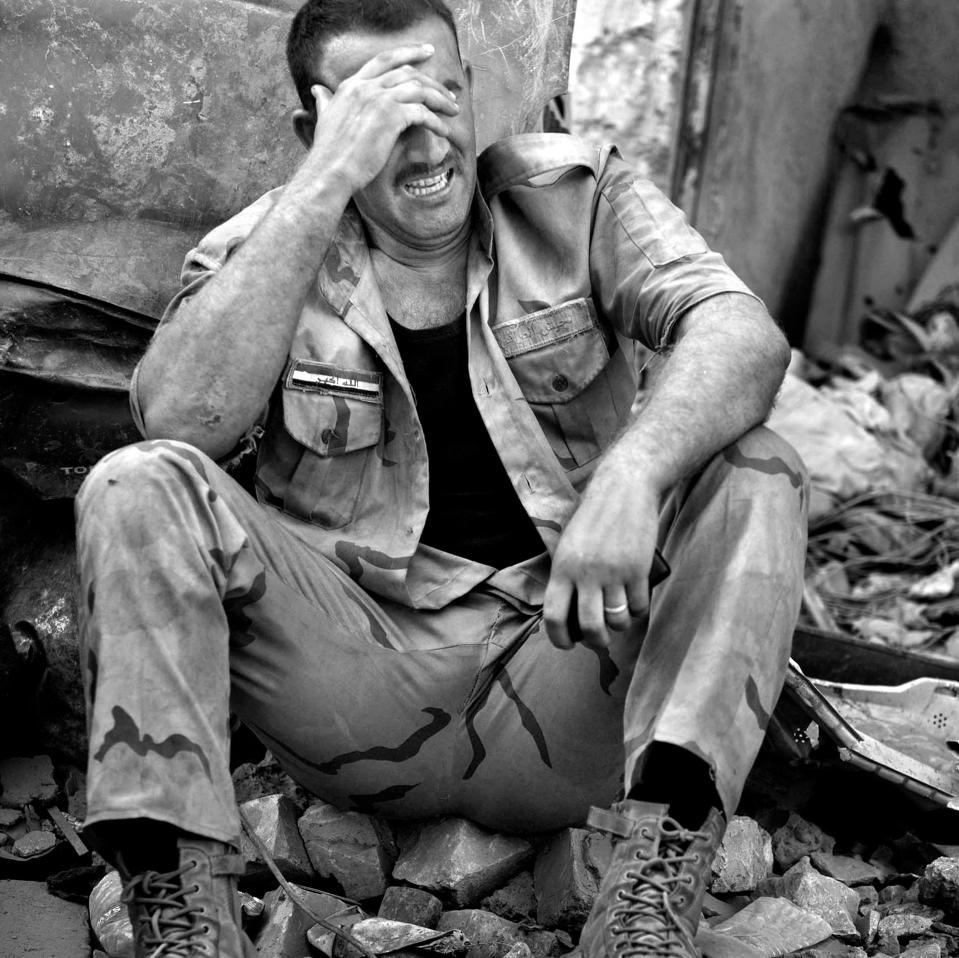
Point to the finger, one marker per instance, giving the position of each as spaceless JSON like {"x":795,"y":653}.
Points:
{"x":416,"y":114}
{"x":556,"y":605}
{"x":637,"y":597}
{"x":397,"y":57}
{"x":408,"y":73}
{"x":589,"y":610}
{"x":616,"y":608}
{"x":414,"y":91}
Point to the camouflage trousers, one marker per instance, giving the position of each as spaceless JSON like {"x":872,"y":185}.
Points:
{"x":198,"y":602}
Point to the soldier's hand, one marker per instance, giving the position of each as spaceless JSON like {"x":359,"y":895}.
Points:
{"x":600,"y":571}
{"x":359,"y":125}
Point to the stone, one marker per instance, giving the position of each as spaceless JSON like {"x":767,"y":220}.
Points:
{"x":542,"y":943}
{"x":34,"y":843}
{"x":455,"y":858}
{"x":887,"y":944}
{"x":274,"y":820}
{"x":35,"y":923}
{"x":489,"y":935}
{"x":412,"y":905}
{"x":923,"y":949}
{"x":904,"y":926}
{"x":796,"y":839}
{"x":284,"y":928}
{"x":939,"y":884}
{"x":9,"y":817}
{"x":774,"y":926}
{"x":868,"y":896}
{"x":850,"y":871}
{"x":913,"y":908}
{"x":282,"y":933}
{"x":264,"y":778}
{"x":353,"y":849}
{"x":823,"y":896}
{"x":24,"y":780}
{"x":515,"y":901}
{"x":519,"y":950}
{"x":868,"y":926}
{"x":744,"y":859}
{"x":567,"y":875}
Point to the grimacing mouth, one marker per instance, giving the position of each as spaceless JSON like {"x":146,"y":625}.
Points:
{"x":429,"y":185}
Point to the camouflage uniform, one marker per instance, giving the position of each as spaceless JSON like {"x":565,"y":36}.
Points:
{"x":385,"y":674}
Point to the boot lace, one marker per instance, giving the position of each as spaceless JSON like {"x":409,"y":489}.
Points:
{"x":168,"y":927}
{"x":646,"y":923}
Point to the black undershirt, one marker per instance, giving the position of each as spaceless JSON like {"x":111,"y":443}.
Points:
{"x":474,"y":510}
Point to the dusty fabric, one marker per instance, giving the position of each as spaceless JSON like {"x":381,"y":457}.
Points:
{"x":194,"y":598}
{"x":589,"y":258}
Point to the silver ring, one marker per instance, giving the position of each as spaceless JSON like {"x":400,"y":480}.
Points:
{"x":615,"y":609}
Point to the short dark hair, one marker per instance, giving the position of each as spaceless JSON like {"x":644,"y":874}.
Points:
{"x":318,"y":21}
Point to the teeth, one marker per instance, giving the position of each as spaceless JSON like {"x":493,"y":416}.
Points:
{"x":431,"y":184}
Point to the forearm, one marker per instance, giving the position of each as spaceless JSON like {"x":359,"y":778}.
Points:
{"x":717,"y":382}
{"x":211,"y":367}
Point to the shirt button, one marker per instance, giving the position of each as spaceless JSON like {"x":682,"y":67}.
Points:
{"x":560,"y":382}
{"x":326,"y":435}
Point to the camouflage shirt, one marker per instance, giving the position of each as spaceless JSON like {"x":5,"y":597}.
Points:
{"x":574,"y":259}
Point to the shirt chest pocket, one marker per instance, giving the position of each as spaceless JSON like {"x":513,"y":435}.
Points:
{"x":336,"y":415}
{"x":561,"y":361}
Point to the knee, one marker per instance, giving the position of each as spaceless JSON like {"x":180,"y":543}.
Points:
{"x":762,"y":459}
{"x":128,"y":477}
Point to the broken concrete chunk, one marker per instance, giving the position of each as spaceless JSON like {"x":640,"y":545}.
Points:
{"x":519,"y":950}
{"x":826,"y":897}
{"x":9,"y":817}
{"x":349,"y":847}
{"x":850,"y":871}
{"x":775,"y":926}
{"x":868,"y":926}
{"x":567,"y":875}
{"x":923,"y":949}
{"x":273,"y":818}
{"x":542,"y":943}
{"x":515,"y":901}
{"x":454,"y":857}
{"x":34,"y":843}
{"x":798,"y":838}
{"x":904,"y":926}
{"x":413,"y":905}
{"x":489,"y":935}
{"x":939,"y":884}
{"x":267,"y":778}
{"x":24,"y":780}
{"x":744,"y":859}
{"x":284,"y":928}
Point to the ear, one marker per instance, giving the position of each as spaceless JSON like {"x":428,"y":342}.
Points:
{"x":304,"y":121}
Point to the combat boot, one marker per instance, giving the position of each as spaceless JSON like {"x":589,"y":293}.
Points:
{"x":651,"y":897}
{"x":192,"y":911}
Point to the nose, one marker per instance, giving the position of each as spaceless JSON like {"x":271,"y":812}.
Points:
{"x":424,"y":146}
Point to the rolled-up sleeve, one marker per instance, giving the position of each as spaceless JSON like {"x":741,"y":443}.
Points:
{"x":648,"y":266}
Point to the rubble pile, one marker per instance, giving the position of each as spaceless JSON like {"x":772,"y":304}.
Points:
{"x":780,"y":884}
{"x":879,"y":432}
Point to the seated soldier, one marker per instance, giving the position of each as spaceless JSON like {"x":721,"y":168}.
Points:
{"x":439,"y":600}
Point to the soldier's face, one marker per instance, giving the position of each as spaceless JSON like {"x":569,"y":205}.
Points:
{"x":423,"y":195}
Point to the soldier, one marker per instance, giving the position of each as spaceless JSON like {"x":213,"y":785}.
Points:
{"x":439,"y":602}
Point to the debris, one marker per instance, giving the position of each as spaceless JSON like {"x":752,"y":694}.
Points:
{"x":283,"y":933}
{"x":515,"y":901}
{"x":34,"y":843}
{"x":796,"y":839}
{"x":274,"y":819}
{"x":826,"y":897}
{"x":383,"y":936}
{"x":567,"y":875}
{"x":489,"y":935}
{"x":454,"y":857}
{"x":350,"y":847}
{"x":774,"y":926}
{"x":109,"y":917}
{"x":744,"y":859}
{"x":267,"y":778}
{"x":26,"y":779}
{"x":413,"y":905}
{"x":939,"y":884}
{"x":850,"y":871}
